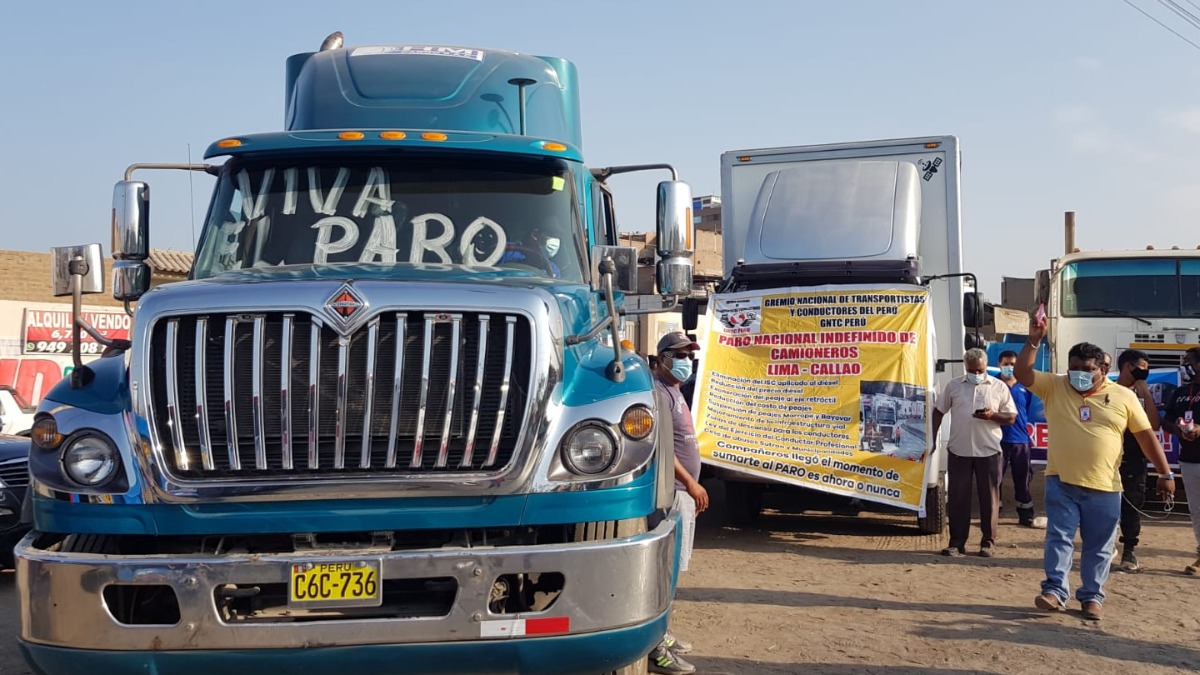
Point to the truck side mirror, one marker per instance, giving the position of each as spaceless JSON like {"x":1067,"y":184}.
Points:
{"x":1041,"y":288}
{"x":131,"y":240}
{"x":974,"y":341}
{"x":973,"y":310}
{"x":674,"y":238}
{"x":88,"y":264}
{"x":625,"y":263}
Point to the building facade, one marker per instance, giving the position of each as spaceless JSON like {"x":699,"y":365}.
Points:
{"x":35,"y":326}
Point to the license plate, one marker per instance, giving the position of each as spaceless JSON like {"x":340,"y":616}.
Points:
{"x":335,"y":584}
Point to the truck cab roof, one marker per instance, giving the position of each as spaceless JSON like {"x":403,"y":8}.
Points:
{"x":434,"y":87}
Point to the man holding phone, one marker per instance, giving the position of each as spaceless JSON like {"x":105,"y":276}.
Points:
{"x":1087,"y":415}
{"x":978,"y":405}
{"x":1182,"y":418}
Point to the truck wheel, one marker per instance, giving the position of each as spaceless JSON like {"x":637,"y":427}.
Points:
{"x":744,"y":502}
{"x":934,"y":521}
{"x":89,"y":543}
{"x":639,"y":667}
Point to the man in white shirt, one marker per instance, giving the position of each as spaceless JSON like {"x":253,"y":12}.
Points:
{"x":978,"y":405}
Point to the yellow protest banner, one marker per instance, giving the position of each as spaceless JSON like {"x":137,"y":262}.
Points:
{"x":825,"y":387}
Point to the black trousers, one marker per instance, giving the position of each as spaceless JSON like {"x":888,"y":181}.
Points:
{"x":1133,"y":482}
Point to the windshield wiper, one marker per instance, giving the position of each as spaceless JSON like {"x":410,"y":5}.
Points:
{"x":1116,"y":312}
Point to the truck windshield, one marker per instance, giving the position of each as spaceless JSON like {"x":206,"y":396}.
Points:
{"x":1155,"y":287}
{"x":499,"y":213}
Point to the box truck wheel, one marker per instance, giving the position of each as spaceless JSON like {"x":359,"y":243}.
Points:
{"x":744,"y":502}
{"x":934,"y":521}
{"x":639,"y":667}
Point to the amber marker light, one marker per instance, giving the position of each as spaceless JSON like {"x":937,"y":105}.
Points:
{"x":554,"y":147}
{"x":393,"y":135}
{"x":229,"y":143}
{"x":45,"y":433}
{"x":933,"y":145}
{"x":351,"y":135}
{"x":637,"y":422}
{"x":433,"y":136}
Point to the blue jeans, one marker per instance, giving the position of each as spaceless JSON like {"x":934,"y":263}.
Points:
{"x":1094,"y":514}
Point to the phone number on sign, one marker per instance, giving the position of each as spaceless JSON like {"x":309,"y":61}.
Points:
{"x":61,"y":347}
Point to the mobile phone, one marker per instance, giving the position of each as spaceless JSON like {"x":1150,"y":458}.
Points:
{"x":1040,"y":316}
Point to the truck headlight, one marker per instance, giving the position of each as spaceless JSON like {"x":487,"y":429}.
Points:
{"x":589,"y":449}
{"x":90,"y":460}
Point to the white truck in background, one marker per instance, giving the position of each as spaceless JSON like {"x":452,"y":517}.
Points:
{"x":1136,"y":299}
{"x":843,"y":226}
{"x":16,"y":415}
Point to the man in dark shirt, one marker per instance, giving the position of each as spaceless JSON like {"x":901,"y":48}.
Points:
{"x":1133,"y":367}
{"x":672,"y":366}
{"x":1015,"y":441}
{"x":1182,"y":418}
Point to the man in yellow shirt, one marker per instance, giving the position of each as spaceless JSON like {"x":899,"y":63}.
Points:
{"x":1087,"y":415}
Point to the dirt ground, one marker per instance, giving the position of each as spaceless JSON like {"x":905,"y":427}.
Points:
{"x":869,"y":594}
{"x":837,"y":595}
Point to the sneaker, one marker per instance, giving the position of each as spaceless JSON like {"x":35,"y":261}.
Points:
{"x":676,"y":645}
{"x":987,"y":551}
{"x":663,"y":660}
{"x":1129,"y":563}
{"x":1193,"y":569}
{"x":1025,"y":517}
{"x":951,"y":551}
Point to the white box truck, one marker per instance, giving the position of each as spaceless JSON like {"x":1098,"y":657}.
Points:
{"x":841,"y":314}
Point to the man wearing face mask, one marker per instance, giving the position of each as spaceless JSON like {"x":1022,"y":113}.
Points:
{"x":1015,"y":441}
{"x":538,"y":252}
{"x":1087,"y":415}
{"x":978,"y":406}
{"x":1182,"y":419}
{"x":1133,"y":368}
{"x":672,"y":366}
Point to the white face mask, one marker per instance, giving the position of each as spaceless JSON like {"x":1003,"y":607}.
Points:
{"x":552,"y":244}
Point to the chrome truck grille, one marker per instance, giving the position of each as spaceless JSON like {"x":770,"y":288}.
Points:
{"x":260,"y":395}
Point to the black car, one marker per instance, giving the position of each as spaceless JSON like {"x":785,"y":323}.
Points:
{"x":14,"y":481}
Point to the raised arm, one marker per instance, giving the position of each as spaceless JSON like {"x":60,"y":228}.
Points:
{"x":1023,"y":369}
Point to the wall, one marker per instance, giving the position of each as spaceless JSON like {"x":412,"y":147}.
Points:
{"x":25,"y":284}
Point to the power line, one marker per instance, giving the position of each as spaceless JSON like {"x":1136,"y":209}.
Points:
{"x":1181,"y":12}
{"x":1173,"y":31}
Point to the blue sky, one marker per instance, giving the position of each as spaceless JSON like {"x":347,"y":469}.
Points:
{"x":1081,"y":105}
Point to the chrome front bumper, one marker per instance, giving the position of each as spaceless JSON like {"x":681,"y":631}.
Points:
{"x":608,"y":585}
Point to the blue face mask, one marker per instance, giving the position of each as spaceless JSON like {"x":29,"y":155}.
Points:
{"x":681,"y":368}
{"x":976,"y":378}
{"x":1080,"y":379}
{"x":1006,"y":372}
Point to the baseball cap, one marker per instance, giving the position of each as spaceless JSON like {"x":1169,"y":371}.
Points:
{"x":675,"y":340}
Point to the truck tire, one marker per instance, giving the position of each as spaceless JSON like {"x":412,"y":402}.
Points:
{"x":639,"y":667}
{"x":934,"y":521}
{"x":89,"y":543}
{"x":744,"y":502}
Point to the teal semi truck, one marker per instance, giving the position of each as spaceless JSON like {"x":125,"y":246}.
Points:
{"x":386,"y":425}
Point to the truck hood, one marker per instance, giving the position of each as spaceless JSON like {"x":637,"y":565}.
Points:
{"x":577,"y":302}
{"x":380,"y":272}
